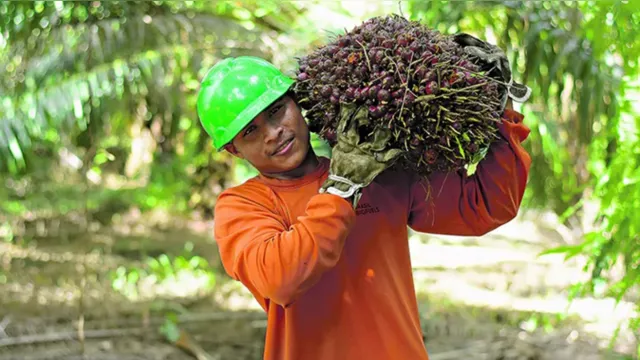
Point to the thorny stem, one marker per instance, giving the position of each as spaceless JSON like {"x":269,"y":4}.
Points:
{"x":406,"y":86}
{"x":448,"y":158}
{"x":450,"y":91}
{"x":374,"y":80}
{"x":444,"y":148}
{"x":364,"y":50}
{"x":480,"y":75}
{"x":314,"y":106}
{"x":421,"y":60}
{"x":391,"y":59}
{"x":404,"y":98}
{"x":425,"y":98}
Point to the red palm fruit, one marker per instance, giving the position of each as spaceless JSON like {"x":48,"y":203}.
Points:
{"x":350,"y":93}
{"x":375,"y":111}
{"x":330,"y":135}
{"x":409,"y":98}
{"x":430,"y":88}
{"x":384,"y":95}
{"x":431,"y":156}
{"x":402,"y":40}
{"x":387,"y":82}
{"x":364,"y":92}
{"x":398,"y":94}
{"x":344,"y":41}
{"x":407,"y":55}
{"x":421,"y":71}
{"x":379,"y":55}
{"x":326,"y":90}
{"x":373,"y":91}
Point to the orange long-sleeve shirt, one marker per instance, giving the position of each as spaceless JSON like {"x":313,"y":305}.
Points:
{"x":337,"y":283}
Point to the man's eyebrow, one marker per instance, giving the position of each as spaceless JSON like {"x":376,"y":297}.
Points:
{"x":277,"y":102}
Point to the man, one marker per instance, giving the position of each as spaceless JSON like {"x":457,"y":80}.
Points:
{"x":324,"y":250}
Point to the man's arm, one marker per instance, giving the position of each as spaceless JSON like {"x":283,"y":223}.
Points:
{"x":280,"y":263}
{"x":457,"y":204}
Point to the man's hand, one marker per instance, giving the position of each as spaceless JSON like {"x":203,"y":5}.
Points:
{"x":492,"y":59}
{"x":509,"y":104}
{"x":354,"y":165}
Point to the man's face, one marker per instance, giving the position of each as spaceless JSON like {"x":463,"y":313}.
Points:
{"x":276,"y":141}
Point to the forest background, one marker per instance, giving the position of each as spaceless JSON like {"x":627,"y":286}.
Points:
{"x":109,"y":181}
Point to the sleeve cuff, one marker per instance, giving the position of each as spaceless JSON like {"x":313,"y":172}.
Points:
{"x":513,"y":116}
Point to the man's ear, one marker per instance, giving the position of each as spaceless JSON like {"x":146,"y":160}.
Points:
{"x":233,"y":150}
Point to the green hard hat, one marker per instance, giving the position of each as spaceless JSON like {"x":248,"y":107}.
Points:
{"x":234,"y":91}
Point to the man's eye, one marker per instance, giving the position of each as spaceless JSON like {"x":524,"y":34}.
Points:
{"x":275,"y":109}
{"x":249,"y":130}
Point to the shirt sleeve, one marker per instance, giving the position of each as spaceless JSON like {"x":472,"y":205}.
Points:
{"x":458,"y":204}
{"x":273,"y":260}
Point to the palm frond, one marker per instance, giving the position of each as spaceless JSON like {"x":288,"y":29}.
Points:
{"x":112,"y":61}
{"x":67,"y":50}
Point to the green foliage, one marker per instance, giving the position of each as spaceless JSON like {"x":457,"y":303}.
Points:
{"x":89,"y":67}
{"x":320,"y":146}
{"x":86,"y":85}
{"x":170,"y":328}
{"x":557,"y":48}
{"x":6,"y":232}
{"x":96,"y":79}
{"x":164,"y":271}
{"x":579,"y":59}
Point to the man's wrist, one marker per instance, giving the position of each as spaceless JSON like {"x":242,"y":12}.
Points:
{"x":340,"y":186}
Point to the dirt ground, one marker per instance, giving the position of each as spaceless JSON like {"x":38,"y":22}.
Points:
{"x":490,"y":297}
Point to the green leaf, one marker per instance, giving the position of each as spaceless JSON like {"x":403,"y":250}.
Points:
{"x":460,"y":147}
{"x":170,"y":330}
{"x":569,"y":251}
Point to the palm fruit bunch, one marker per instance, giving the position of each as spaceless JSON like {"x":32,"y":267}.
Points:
{"x":441,"y":107}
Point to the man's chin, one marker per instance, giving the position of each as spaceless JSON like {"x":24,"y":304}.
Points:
{"x":293,"y":162}
{"x":289,"y":168}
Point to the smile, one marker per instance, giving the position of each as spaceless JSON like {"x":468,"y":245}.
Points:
{"x":284,"y":148}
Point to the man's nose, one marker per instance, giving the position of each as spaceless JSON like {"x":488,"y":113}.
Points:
{"x":274,"y":132}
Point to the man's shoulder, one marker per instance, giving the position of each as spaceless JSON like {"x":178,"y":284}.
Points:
{"x":250,"y":185}
{"x":396,"y":177}
{"x":251,"y":191}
